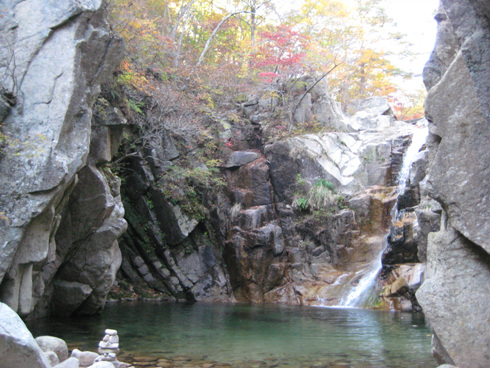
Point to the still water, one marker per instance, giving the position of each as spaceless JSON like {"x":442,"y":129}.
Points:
{"x":291,"y":336}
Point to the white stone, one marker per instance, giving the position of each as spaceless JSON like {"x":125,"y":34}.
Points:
{"x":55,"y":344}
{"x":86,"y":358}
{"x":71,"y":362}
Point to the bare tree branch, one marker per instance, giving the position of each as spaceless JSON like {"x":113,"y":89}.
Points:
{"x":314,"y":85}
{"x":216,"y":29}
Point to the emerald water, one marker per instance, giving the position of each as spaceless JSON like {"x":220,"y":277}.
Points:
{"x":289,"y":336}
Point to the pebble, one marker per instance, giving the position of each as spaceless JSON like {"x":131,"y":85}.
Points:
{"x":164,"y":364}
{"x":185,"y":361}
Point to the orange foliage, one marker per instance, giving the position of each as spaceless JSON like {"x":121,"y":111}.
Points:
{"x":167,"y":37}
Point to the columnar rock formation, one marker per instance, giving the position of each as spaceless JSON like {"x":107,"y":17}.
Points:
{"x":456,"y":294}
{"x":60,"y":212}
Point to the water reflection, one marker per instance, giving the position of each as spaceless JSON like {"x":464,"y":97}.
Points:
{"x":231,"y":333}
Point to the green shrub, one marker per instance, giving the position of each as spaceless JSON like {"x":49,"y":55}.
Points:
{"x":300,"y":181}
{"x":320,"y":196}
{"x":302,"y":203}
{"x":324,"y":183}
{"x":187,"y":187}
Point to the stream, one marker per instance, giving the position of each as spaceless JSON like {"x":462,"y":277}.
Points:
{"x":253,"y":335}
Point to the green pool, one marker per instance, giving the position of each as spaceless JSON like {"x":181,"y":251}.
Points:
{"x":289,"y":336}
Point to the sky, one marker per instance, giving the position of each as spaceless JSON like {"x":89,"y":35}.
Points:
{"x":415,"y":18}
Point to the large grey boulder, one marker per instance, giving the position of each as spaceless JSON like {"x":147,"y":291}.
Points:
{"x":17,"y":345}
{"x":351,"y":161}
{"x":371,"y":113}
{"x":88,"y":255}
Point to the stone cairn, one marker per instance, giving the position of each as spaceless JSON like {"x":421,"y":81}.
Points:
{"x":108,"y":349}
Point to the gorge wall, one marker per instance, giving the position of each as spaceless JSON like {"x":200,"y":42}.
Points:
{"x":263,"y":236}
{"x":60,"y":214}
{"x":455,"y":294}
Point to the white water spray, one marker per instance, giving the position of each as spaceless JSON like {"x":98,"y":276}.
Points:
{"x":363,"y":290}
{"x":418,"y":139}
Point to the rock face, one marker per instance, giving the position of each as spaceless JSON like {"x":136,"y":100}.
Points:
{"x":250,"y":240}
{"x":278,"y":252}
{"x":166,"y":248}
{"x":455,"y":295}
{"x":54,"y":57}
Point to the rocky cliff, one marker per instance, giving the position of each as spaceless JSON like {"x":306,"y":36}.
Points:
{"x":297,"y":220}
{"x":455,"y":295}
{"x":243,"y":209}
{"x":61,"y":214}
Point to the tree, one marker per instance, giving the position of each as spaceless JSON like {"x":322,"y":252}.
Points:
{"x":208,"y":38}
{"x":348,"y":35}
{"x":253,"y":8}
{"x":280,"y":54}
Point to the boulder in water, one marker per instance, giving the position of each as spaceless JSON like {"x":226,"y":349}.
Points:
{"x":86,"y":358}
{"x":54,"y":344}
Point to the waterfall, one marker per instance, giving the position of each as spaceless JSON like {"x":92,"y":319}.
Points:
{"x":360,"y":294}
{"x":418,"y":139}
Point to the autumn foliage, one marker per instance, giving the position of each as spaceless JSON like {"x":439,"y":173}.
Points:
{"x":230,"y":48}
{"x":280,"y":54}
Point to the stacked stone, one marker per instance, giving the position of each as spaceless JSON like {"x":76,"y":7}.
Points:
{"x":108,"y":349}
{"x":109,"y":346}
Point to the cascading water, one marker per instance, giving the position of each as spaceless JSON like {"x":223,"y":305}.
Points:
{"x":361,"y":293}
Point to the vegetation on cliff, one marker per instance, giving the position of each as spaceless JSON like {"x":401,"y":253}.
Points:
{"x":202,"y":79}
{"x":192,"y":68}
{"x":224,"y":51}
